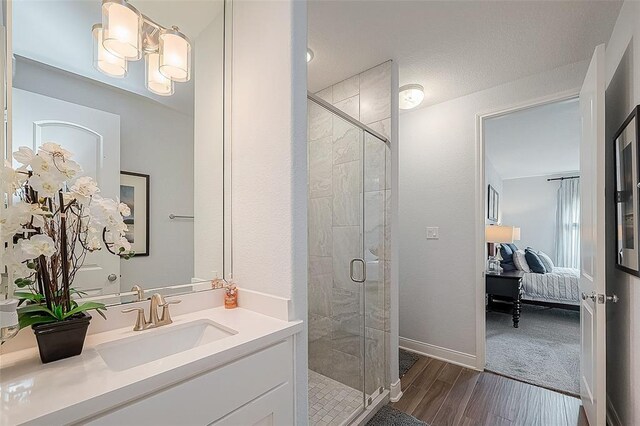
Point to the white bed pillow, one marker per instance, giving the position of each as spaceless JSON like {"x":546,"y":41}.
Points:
{"x":520,"y":261}
{"x":546,"y":261}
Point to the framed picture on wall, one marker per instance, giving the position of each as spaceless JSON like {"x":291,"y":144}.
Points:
{"x":493,"y":204}
{"x":134,"y":192}
{"x":627,"y":194}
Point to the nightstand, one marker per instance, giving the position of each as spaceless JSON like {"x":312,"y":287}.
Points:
{"x":507,"y":285}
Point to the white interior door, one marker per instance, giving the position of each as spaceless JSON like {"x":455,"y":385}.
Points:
{"x":592,"y":242}
{"x":94,"y":137}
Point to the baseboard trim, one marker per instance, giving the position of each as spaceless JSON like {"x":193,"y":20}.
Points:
{"x":449,"y":355}
{"x":612,"y":415}
{"x":396,"y":391}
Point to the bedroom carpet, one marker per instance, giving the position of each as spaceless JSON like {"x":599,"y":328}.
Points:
{"x":544,"y":351}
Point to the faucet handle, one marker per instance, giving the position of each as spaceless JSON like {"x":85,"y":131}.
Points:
{"x":141,"y":322}
{"x":166,"y":316}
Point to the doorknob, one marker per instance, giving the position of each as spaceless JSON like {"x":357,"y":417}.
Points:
{"x":112,"y":277}
{"x":591,"y":296}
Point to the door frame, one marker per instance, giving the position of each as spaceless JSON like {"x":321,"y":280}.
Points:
{"x":481,"y":326}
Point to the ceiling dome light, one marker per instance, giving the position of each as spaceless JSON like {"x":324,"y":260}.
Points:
{"x":103,"y":60}
{"x":411,"y":95}
{"x":122,"y":26}
{"x":154,"y":80}
{"x":175,"y":55}
{"x":309,"y":55}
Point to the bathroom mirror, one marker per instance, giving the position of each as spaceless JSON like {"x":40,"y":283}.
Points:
{"x":136,"y":91}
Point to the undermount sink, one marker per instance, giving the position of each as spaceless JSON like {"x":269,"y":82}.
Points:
{"x":152,"y":345}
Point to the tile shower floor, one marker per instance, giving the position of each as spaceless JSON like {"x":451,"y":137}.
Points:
{"x":331,"y":402}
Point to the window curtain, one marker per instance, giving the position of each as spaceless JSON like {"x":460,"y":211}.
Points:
{"x":568,"y":224}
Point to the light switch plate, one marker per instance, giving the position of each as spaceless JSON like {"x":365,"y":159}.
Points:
{"x":432,"y":233}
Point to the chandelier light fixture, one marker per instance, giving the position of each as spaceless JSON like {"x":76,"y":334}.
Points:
{"x":126,"y":35}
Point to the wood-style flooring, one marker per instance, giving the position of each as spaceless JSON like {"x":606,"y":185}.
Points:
{"x":440,"y":393}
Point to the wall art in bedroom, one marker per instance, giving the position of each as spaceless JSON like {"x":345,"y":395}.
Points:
{"x":493,"y":204}
{"x":627,"y":194}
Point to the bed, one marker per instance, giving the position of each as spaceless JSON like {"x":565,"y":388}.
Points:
{"x":559,"y":286}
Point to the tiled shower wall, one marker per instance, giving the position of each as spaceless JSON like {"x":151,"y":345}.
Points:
{"x":336,"y":308}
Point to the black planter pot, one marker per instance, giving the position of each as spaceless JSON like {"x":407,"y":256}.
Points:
{"x":63,"y":339}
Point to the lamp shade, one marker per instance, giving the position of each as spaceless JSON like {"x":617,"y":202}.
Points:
{"x":498,"y":234}
{"x":103,"y":60}
{"x":516,"y":234}
{"x":175,"y":55}
{"x":122,"y":24}
{"x":155,"y":81}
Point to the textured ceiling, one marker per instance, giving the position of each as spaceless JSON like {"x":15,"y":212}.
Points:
{"x":537,"y":141}
{"x":453,"y":48}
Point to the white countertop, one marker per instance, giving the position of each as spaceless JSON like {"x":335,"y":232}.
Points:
{"x":73,"y":389}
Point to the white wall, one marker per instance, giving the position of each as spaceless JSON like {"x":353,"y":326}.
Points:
{"x":531,"y":204}
{"x":623,"y":318}
{"x":439,"y":160}
{"x":154,"y":140}
{"x":269,"y":168}
{"x":208,"y":152}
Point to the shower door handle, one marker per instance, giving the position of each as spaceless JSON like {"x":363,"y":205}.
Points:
{"x":364,"y":270}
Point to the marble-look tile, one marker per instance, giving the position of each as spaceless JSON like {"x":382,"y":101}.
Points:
{"x":383,"y":127}
{"x":387,"y":295}
{"x":326,"y":94}
{"x":320,"y":168}
{"x":347,"y":209}
{"x":351,"y":106}
{"x":347,"y":369}
{"x":347,"y":178}
{"x":320,"y":226}
{"x":374,"y":163}
{"x":346,"y":88}
{"x":346,"y":310}
{"x":346,"y":246}
{"x":375,"y":362}
{"x":387,"y":167}
{"x":320,"y":285}
{"x":347,"y":141}
{"x":387,"y":224}
{"x":374,"y":225}
{"x":375,"y":313}
{"x":345,"y":341}
{"x":320,"y":122}
{"x":320,"y":352}
{"x":375,"y":94}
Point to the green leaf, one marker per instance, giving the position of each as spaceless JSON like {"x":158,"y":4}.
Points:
{"x":32,"y":297}
{"x":58,"y":312}
{"x":87,"y":306}
{"x":39,"y":309}
{"x":22,"y":282}
{"x":27,"y":320}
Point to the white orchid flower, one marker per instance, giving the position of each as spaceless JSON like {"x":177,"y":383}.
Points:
{"x":24,"y":155}
{"x":68,"y":168}
{"x":84,"y":188}
{"x":124,"y":209}
{"x":11,"y":179}
{"x":38,"y":245}
{"x":46,"y":185}
{"x":56,"y":150}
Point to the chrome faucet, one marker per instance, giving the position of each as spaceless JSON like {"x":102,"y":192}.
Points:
{"x":157,"y":301}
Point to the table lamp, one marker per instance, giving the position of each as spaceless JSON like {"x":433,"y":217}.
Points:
{"x":494,"y":236}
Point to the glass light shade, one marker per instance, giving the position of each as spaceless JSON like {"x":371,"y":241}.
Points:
{"x":309,"y":55}
{"x":175,"y":55}
{"x":122,"y":24}
{"x":411,"y":95}
{"x":154,"y":80}
{"x":103,"y":60}
{"x":498,"y":234}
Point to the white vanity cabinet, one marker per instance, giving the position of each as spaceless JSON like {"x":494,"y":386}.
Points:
{"x":254,"y":390}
